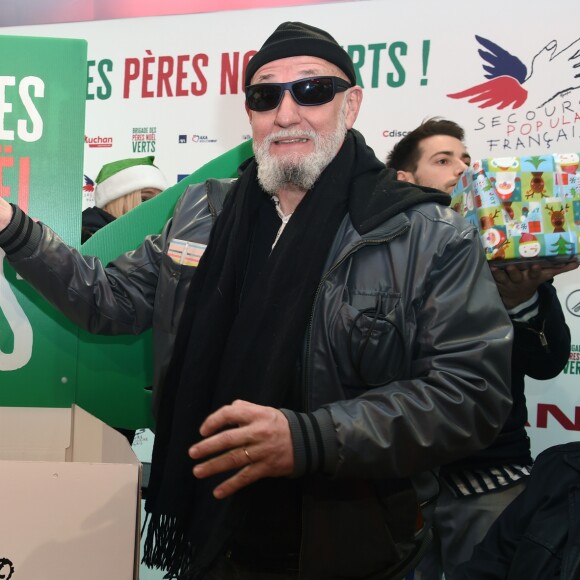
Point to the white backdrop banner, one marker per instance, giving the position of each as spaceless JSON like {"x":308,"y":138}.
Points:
{"x":172,"y":87}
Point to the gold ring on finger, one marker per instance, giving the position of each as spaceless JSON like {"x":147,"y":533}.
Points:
{"x":247,"y":455}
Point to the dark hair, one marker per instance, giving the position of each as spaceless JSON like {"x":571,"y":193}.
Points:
{"x":406,"y":153}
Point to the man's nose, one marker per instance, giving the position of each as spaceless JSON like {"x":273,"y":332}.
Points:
{"x":288,"y":112}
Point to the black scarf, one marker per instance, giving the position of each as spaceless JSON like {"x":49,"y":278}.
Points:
{"x":227,"y":349}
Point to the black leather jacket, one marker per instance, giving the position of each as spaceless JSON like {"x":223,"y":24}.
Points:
{"x":405,"y":364}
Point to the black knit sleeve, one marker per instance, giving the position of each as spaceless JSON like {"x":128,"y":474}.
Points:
{"x":21,"y":236}
{"x":314,"y":440}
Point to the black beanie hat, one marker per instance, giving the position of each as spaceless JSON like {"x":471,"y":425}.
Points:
{"x":298,"y":39}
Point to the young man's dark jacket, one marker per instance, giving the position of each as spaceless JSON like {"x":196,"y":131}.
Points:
{"x":405,"y":363}
{"x":537,"y":537}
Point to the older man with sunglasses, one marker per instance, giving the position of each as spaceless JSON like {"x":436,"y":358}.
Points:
{"x":341,"y":336}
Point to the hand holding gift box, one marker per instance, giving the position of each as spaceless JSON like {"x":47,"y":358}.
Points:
{"x":527,"y":209}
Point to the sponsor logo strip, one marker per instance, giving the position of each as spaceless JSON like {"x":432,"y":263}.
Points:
{"x":186,"y":253}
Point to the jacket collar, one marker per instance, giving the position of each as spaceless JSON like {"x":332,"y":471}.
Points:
{"x":377,"y":195}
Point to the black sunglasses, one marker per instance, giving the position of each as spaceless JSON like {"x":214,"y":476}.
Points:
{"x":307,"y":92}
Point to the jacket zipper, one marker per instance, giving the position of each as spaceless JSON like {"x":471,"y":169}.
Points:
{"x":541,"y":335}
{"x":306,"y":350}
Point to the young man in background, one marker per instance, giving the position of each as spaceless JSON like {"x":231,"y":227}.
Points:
{"x":476,"y":489}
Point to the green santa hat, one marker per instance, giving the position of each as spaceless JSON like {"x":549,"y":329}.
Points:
{"x":119,"y":178}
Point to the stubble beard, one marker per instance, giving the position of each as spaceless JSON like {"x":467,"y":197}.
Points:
{"x":298,"y":170}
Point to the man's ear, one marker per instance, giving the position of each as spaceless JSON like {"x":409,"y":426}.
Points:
{"x":405,"y":176}
{"x":353,"y":103}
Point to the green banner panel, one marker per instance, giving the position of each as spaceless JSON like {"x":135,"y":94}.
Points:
{"x":44,"y":359}
{"x":42,"y":112}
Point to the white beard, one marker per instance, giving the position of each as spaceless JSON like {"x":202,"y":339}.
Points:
{"x":298,"y":170}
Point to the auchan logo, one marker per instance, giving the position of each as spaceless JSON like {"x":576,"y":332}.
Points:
{"x":99,"y":141}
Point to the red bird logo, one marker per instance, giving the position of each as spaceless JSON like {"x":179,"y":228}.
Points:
{"x":510,"y":83}
{"x":89,"y":185}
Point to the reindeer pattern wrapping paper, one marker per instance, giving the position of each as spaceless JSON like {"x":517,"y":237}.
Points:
{"x":527,"y":209}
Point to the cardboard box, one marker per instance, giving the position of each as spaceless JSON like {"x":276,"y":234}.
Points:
{"x":527,"y":209}
{"x":69,"y":497}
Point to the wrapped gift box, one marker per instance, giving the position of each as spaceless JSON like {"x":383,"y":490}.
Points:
{"x":527,"y":209}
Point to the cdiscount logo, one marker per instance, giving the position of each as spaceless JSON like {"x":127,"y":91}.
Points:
{"x":394,"y":133}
